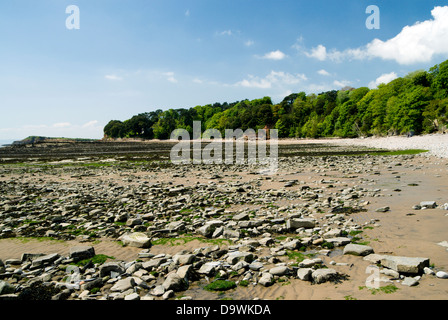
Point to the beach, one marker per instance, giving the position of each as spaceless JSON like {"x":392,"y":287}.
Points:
{"x":370,"y":200}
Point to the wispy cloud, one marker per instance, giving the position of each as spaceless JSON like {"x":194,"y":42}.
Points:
{"x":249,"y":43}
{"x":113,"y":77}
{"x":170,"y":77}
{"x":278,"y":78}
{"x":224,"y":33}
{"x":419,"y":42}
{"x":62,"y":125}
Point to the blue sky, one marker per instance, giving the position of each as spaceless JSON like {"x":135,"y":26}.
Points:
{"x":134,"y":56}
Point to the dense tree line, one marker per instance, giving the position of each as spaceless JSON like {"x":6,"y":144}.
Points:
{"x":414,"y":104}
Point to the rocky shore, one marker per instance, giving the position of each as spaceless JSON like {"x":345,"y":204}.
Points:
{"x":322,"y":227}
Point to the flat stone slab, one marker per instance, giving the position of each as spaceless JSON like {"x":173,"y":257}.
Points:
{"x":339,"y":241}
{"x":136,"y":239}
{"x":428,"y":204}
{"x":300,"y":223}
{"x":357,"y":250}
{"x":405,"y":264}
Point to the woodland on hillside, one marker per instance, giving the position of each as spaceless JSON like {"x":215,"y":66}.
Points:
{"x":414,"y":104}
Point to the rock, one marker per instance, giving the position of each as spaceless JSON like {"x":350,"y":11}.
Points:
{"x":132,"y":296}
{"x":332,"y":233}
{"x":44,"y":260}
{"x":12,"y":262}
{"x":292,"y":245}
{"x":429,"y":271}
{"x":339,"y":241}
{"x":132,"y":222}
{"x":6,"y":287}
{"x":266,"y":279}
{"x":409,"y":281}
{"x":168,"y":294}
{"x":442,"y":275}
{"x":81,"y":253}
{"x":241,"y":217}
{"x":405,"y":264}
{"x":357,"y":249}
{"x":374,"y":258}
{"x":307,"y":263}
{"x":240,"y":265}
{"x":323,"y":275}
{"x":390,"y":273}
{"x":96,"y":283}
{"x":236,"y":256}
{"x":113,"y":266}
{"x":174,"y":282}
{"x":183,"y":259}
{"x":123,"y":284}
{"x":300,"y":223}
{"x":187,"y":272}
{"x":383,"y":209}
{"x":176,"y":226}
{"x":256,"y":265}
{"x":304,"y":274}
{"x":428,"y":204}
{"x":209,"y":268}
{"x":135,"y":239}
{"x":158,"y":291}
{"x":231,"y":234}
{"x":208,"y":229}
{"x":279,"y":271}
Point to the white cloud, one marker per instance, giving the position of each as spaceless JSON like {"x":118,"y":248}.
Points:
{"x":170,"y":77}
{"x":274,"y":55}
{"x":384,"y":78}
{"x":342,"y":83}
{"x":90,"y":124}
{"x":416,"y":43}
{"x":113,"y":77}
{"x":320,"y":53}
{"x":278,"y":78}
{"x":62,"y":125}
{"x":323,"y":72}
